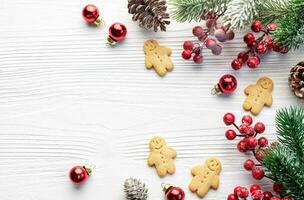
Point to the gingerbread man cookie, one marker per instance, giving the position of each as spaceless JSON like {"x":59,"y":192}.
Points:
{"x":205,"y":176}
{"x":158,"y":57}
{"x":259,"y":95}
{"x":161,"y":156}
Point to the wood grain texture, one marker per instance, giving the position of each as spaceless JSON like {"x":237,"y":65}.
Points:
{"x":67,"y":98}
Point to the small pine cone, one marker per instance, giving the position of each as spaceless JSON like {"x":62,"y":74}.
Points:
{"x":135,"y":189}
{"x":150,"y":13}
{"x":296,"y":80}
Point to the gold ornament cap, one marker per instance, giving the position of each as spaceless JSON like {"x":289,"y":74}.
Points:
{"x":98,"y":21}
{"x":111,"y":41}
{"x":165,"y":186}
{"x":216,"y":90}
{"x":89,"y":168}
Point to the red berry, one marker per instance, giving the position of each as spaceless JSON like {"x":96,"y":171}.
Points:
{"x":230,"y":34}
{"x":260,"y":48}
{"x":220,"y":35}
{"x":217,"y":50}
{"x":243,"y":128}
{"x":259,"y":127}
{"x":250,"y":131}
{"x":254,"y":187}
{"x":196,"y":48}
{"x":210,"y":22}
{"x":256,"y":26}
{"x":286,"y":198}
{"x":229,"y":118}
{"x":284,"y":50}
{"x":277,"y":47}
{"x":268,"y":42}
{"x":257,"y":195}
{"x":198,"y":58}
{"x":236,"y":64}
{"x":252,"y":142}
{"x":188,"y":45}
{"x":237,"y":190}
{"x":267,"y":195}
{"x":263,"y":142}
{"x":247,"y":119}
{"x":253,"y":61}
{"x":277,"y":187}
{"x":242,"y":146}
{"x":232,"y":197}
{"x":258,"y":173}
{"x":210,"y":43}
{"x":186,"y":54}
{"x":271,"y":27}
{"x":248,"y":165}
{"x":243,"y":56}
{"x":230,"y":134}
{"x":244,"y":192}
{"x":259,"y":155}
{"x":275,"y":198}
{"x":197,"y":31}
{"x":249,"y":38}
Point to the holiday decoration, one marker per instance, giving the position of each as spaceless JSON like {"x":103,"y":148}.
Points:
{"x":90,"y":14}
{"x":150,"y":13}
{"x":135,"y":189}
{"x":79,"y":174}
{"x":238,"y":14}
{"x":284,"y":161}
{"x":255,"y":193}
{"x":205,"y":176}
{"x":158,"y":57}
{"x":226,"y":85}
{"x":117,"y":32}
{"x":161,"y":156}
{"x":258,"y":95}
{"x":281,"y":162}
{"x":257,"y":46}
{"x":296,"y":80}
{"x":221,"y":34}
{"x":172,"y":192}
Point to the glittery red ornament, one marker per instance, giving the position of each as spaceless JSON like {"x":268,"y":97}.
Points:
{"x":226,"y":85}
{"x":90,"y":14}
{"x":117,"y":32}
{"x":173,"y":193}
{"x":79,"y":174}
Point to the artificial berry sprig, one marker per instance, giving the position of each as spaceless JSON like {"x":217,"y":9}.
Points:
{"x":250,"y":143}
{"x":256,"y":193}
{"x":204,"y":36}
{"x":257,"y":46}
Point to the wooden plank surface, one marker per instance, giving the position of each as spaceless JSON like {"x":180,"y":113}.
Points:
{"x":67,"y":98}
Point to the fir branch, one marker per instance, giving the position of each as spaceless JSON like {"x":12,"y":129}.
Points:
{"x":271,"y":10}
{"x":192,"y":10}
{"x":290,"y":129}
{"x":290,"y":32}
{"x":285,"y":161}
{"x":240,"y":13}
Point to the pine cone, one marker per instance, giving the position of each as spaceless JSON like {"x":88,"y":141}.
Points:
{"x":150,"y":13}
{"x":296,"y":80}
{"x":135,"y":189}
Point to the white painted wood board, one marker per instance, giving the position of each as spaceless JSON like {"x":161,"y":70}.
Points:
{"x":66,"y":98}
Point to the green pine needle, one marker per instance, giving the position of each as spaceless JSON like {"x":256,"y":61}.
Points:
{"x":285,"y":162}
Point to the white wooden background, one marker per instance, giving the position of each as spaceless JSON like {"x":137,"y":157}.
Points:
{"x":66,"y":98}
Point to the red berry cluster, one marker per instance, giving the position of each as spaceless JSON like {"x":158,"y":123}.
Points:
{"x":203,"y":35}
{"x":256,"y":193}
{"x":257,"y":46}
{"x":249,"y":141}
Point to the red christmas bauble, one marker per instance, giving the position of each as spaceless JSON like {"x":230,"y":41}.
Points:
{"x":90,"y":14}
{"x":117,"y":32}
{"x":226,"y":85}
{"x":78,"y":175}
{"x":173,"y":193}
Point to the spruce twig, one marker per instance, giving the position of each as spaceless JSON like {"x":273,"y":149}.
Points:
{"x":285,"y":161}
